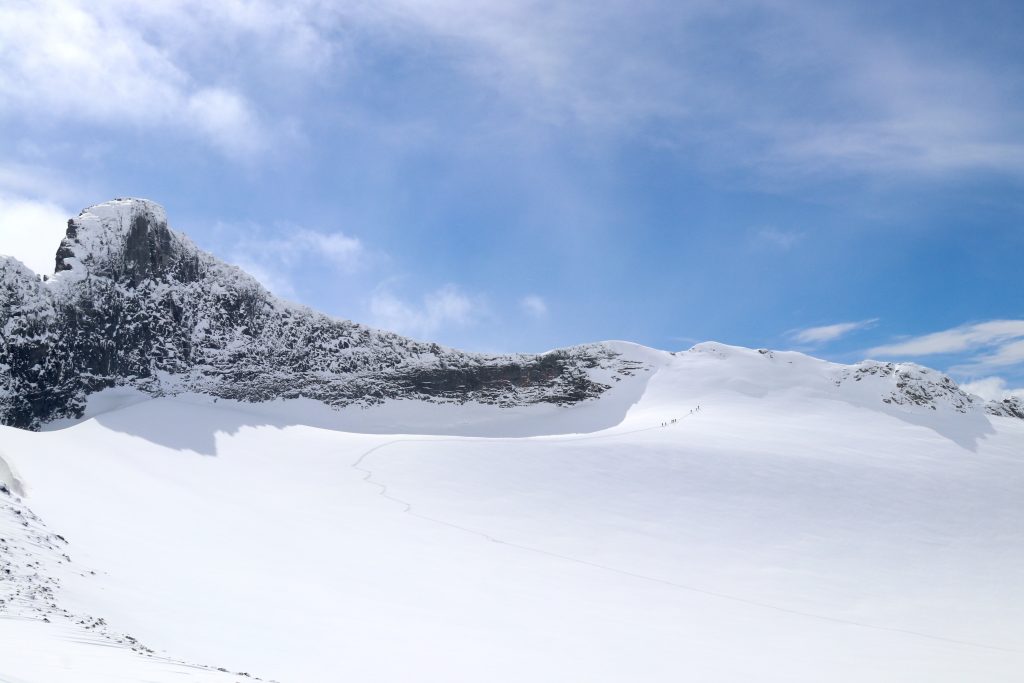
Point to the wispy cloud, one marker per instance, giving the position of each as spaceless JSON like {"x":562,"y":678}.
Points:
{"x":992,"y":389}
{"x":127,"y":62}
{"x":974,"y":338}
{"x":31,"y":231}
{"x":534,"y":306}
{"x":277,"y":280}
{"x":777,"y":238}
{"x":289,"y":244}
{"x":276,"y":256}
{"x":827,"y":333}
{"x":443,"y":307}
{"x":861,"y":96}
{"x":1004,"y":355}
{"x":983,"y":347}
{"x":228,"y":121}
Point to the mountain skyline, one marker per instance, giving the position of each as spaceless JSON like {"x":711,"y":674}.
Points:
{"x":834,"y":179}
{"x":135,"y":306}
{"x":963,"y":352}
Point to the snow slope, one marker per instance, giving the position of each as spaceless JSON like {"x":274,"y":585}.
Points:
{"x":794,"y":528}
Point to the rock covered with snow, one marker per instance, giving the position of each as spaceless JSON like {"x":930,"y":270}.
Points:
{"x":909,"y":384}
{"x":30,"y":374}
{"x":893,"y":387}
{"x":134,"y":303}
{"x":1007,"y":407}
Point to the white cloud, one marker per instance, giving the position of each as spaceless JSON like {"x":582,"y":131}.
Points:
{"x":984,"y":346}
{"x":1007,"y":354}
{"x":147,"y":64}
{"x":63,"y":58}
{"x":964,"y":338}
{"x":294,"y":245}
{"x":275,"y":260}
{"x":781,"y":239}
{"x":862,"y":96}
{"x":31,"y":231}
{"x":992,"y":389}
{"x":827,"y":333}
{"x":340,"y":248}
{"x":534,"y":306}
{"x":275,"y":279}
{"x":228,"y":121}
{"x":46,"y":185}
{"x":560,"y":63}
{"x":447,"y":306}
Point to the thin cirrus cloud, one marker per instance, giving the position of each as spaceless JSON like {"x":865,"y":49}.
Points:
{"x":992,"y":389}
{"x":277,"y":259}
{"x":973,"y":337}
{"x":620,"y":70}
{"x":828,"y":333}
{"x":447,"y":306}
{"x":993,"y":345}
{"x":1005,"y":355}
{"x":290,"y":244}
{"x":534,"y":306}
{"x":783,"y":240}
{"x":626,"y":68}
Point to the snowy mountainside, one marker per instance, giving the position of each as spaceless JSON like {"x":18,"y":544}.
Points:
{"x":905,"y":387}
{"x":732,"y":515}
{"x":136,"y":304}
{"x":229,"y":487}
{"x":1008,"y":407}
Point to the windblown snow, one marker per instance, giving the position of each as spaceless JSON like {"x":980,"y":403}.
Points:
{"x":726,"y":515}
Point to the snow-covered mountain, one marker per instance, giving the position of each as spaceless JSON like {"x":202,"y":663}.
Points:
{"x":134,"y":304}
{"x":730,"y":515}
{"x":223,"y":487}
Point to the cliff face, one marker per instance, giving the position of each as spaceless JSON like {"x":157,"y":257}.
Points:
{"x":134,"y":303}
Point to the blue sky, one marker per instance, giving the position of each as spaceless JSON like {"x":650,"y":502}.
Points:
{"x":839,"y":178}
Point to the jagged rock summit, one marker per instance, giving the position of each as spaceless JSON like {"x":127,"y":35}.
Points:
{"x":127,"y":240}
{"x":133,"y":303}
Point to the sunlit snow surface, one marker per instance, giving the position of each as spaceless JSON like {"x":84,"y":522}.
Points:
{"x":792,"y":529}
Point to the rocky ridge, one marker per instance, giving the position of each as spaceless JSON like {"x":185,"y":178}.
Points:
{"x":134,"y":303}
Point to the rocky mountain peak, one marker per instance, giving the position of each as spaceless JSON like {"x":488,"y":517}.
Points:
{"x":1007,"y":407}
{"x":126,"y":240}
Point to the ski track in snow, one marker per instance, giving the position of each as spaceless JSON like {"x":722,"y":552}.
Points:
{"x":407,"y":508}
